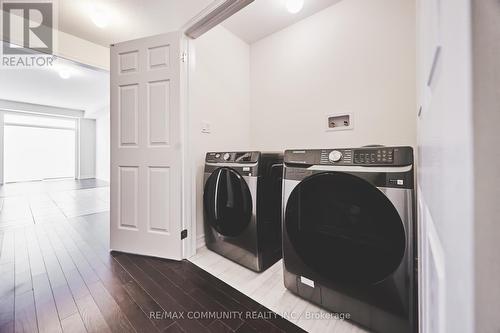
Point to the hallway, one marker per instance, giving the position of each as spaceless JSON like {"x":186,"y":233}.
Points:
{"x":56,"y":274}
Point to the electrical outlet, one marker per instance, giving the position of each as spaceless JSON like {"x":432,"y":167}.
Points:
{"x":205,"y":127}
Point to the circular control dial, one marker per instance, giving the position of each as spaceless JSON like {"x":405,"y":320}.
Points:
{"x":335,"y":156}
{"x":226,"y":156}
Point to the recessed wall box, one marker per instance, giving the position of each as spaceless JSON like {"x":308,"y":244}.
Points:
{"x":339,"y":122}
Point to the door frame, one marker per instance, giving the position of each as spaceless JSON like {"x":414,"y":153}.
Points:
{"x":188,"y":158}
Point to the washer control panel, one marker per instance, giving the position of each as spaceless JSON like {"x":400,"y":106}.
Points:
{"x":336,"y":156}
{"x":365,"y":156}
{"x":374,"y":156}
{"x":233,"y":157}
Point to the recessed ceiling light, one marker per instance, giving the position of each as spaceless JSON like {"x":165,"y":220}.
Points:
{"x":65,"y":70}
{"x":294,"y":6}
{"x":64,"y":73}
{"x":100,"y":18}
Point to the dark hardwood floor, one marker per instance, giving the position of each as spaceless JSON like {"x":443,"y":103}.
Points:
{"x":56,"y":275}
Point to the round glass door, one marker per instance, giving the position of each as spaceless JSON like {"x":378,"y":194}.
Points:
{"x":227,"y":202}
{"x":344,"y":228}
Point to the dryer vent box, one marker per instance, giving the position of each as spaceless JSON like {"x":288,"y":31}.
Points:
{"x":339,"y":122}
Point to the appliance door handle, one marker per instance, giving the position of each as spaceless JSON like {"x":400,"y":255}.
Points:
{"x":276,"y":165}
{"x":217,"y":194}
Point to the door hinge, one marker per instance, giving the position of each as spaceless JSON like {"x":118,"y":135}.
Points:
{"x":184,"y":234}
{"x":184,"y":56}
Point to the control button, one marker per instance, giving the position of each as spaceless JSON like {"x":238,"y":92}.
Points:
{"x":217,"y":155}
{"x":335,"y":156}
{"x":226,"y":156}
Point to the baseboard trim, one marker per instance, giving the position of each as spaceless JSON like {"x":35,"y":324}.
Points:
{"x":200,"y":241}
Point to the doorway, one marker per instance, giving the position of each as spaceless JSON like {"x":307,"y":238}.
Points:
{"x":39,"y":147}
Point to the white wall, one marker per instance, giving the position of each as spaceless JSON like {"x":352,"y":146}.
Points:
{"x":2,"y":138}
{"x":446,"y":168}
{"x":82,"y":51}
{"x":76,"y":49}
{"x":486,"y":104}
{"x":459,"y":163}
{"x":356,"y":56}
{"x":102,"y":132}
{"x":219,"y":93}
{"x":87,"y":151}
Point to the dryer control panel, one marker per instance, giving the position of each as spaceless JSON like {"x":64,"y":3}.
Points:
{"x":365,"y":156}
{"x":233,"y":157}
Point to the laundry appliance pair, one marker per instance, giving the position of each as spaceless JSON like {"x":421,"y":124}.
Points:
{"x":347,"y":226}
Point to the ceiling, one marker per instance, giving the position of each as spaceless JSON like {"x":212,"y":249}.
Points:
{"x":130,"y":19}
{"x":264,"y":17}
{"x":87,"y":89}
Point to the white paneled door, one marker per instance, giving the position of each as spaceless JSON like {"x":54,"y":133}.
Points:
{"x":146,"y":154}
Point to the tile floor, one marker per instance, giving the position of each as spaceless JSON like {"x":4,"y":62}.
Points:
{"x":267,"y":288}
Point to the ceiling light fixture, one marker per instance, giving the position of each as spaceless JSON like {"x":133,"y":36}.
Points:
{"x":100,"y":18}
{"x":65,"y":70}
{"x":294,"y":6}
{"x":64,"y":73}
